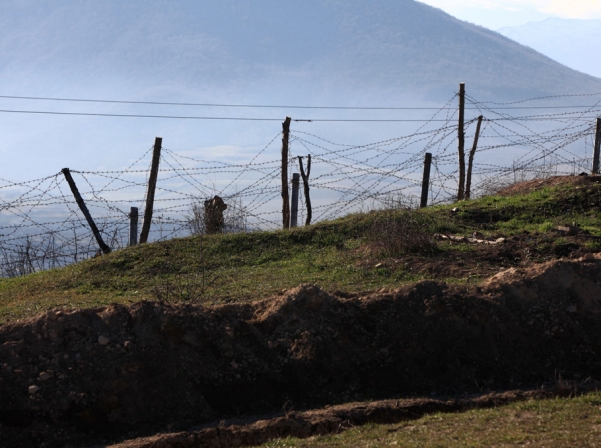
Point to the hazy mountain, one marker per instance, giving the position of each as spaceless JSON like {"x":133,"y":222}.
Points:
{"x":572,"y":42}
{"x":315,"y":52}
{"x":313,"y":47}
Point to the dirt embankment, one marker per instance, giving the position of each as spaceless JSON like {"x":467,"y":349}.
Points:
{"x":550,"y":182}
{"x":112,"y":373}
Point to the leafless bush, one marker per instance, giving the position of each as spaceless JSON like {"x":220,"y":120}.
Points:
{"x":395,"y":232}
{"x":491,"y":185}
{"x":400,"y":201}
{"x":235,"y":217}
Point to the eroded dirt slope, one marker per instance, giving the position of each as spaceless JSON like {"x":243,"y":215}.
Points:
{"x":111,"y":373}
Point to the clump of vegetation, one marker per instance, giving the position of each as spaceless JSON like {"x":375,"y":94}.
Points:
{"x":234,"y":218}
{"x":398,"y":232}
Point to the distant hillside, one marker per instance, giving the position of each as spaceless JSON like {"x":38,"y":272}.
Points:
{"x":311,"y":47}
{"x":571,"y":42}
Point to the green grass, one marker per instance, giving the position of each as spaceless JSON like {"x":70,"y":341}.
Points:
{"x":335,"y":255}
{"x":539,"y":211}
{"x":537,"y":423}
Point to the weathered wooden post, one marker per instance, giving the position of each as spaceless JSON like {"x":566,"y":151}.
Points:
{"x":426,"y":180}
{"x":285,"y":198}
{"x":82,"y":206}
{"x":468,"y":185}
{"x":461,"y":148}
{"x":152,"y":183}
{"x":305,"y":177}
{"x":133,"y":226}
{"x":597,"y":148}
{"x":294,"y":208}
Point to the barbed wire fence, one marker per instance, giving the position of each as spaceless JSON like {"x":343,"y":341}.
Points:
{"x":42,"y":227}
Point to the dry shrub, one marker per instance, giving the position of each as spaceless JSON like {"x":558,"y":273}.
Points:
{"x":517,"y":174}
{"x":235,"y":217}
{"x":396,"y":232}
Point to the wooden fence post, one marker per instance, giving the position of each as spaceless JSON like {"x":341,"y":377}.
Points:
{"x":426,"y":180}
{"x":285,"y":198}
{"x":461,"y":148}
{"x":152,"y":183}
{"x":82,"y":206}
{"x":468,"y":184}
{"x":305,"y":177}
{"x":133,"y":226}
{"x":597,"y":148}
{"x":294,"y":208}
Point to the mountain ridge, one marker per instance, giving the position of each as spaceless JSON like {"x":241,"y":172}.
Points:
{"x":323,"y":45}
{"x":568,"y":41}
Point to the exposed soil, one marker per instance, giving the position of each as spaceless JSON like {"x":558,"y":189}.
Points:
{"x":481,"y":261}
{"x":120,"y":372}
{"x":555,"y":181}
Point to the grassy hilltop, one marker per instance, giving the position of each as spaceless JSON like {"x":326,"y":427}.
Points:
{"x":362,"y":252}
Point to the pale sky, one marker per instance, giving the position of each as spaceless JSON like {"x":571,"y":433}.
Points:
{"x":495,"y":14}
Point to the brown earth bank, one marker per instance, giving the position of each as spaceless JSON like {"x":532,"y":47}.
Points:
{"x":538,"y":184}
{"x":119,"y":372}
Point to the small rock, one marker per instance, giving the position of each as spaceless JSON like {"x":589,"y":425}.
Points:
{"x":500,"y":240}
{"x":455,"y":210}
{"x":378,"y":265}
{"x":234,"y":364}
{"x":33,"y":389}
{"x":569,"y":230}
{"x":127,"y":344}
{"x":44,"y":376}
{"x":588,"y":257}
{"x":102,"y":340}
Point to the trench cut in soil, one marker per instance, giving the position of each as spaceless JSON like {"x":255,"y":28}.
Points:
{"x":101,"y":374}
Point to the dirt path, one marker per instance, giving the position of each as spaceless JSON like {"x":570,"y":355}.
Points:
{"x":124,"y":372}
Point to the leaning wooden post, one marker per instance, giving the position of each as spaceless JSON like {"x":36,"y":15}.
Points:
{"x":294,"y":208}
{"x":82,"y":206}
{"x":461,"y":149}
{"x":305,"y":177}
{"x":468,"y":184}
{"x":152,"y":183}
{"x":597,"y":148}
{"x":285,"y":198}
{"x":133,"y":226}
{"x":426,"y":180}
